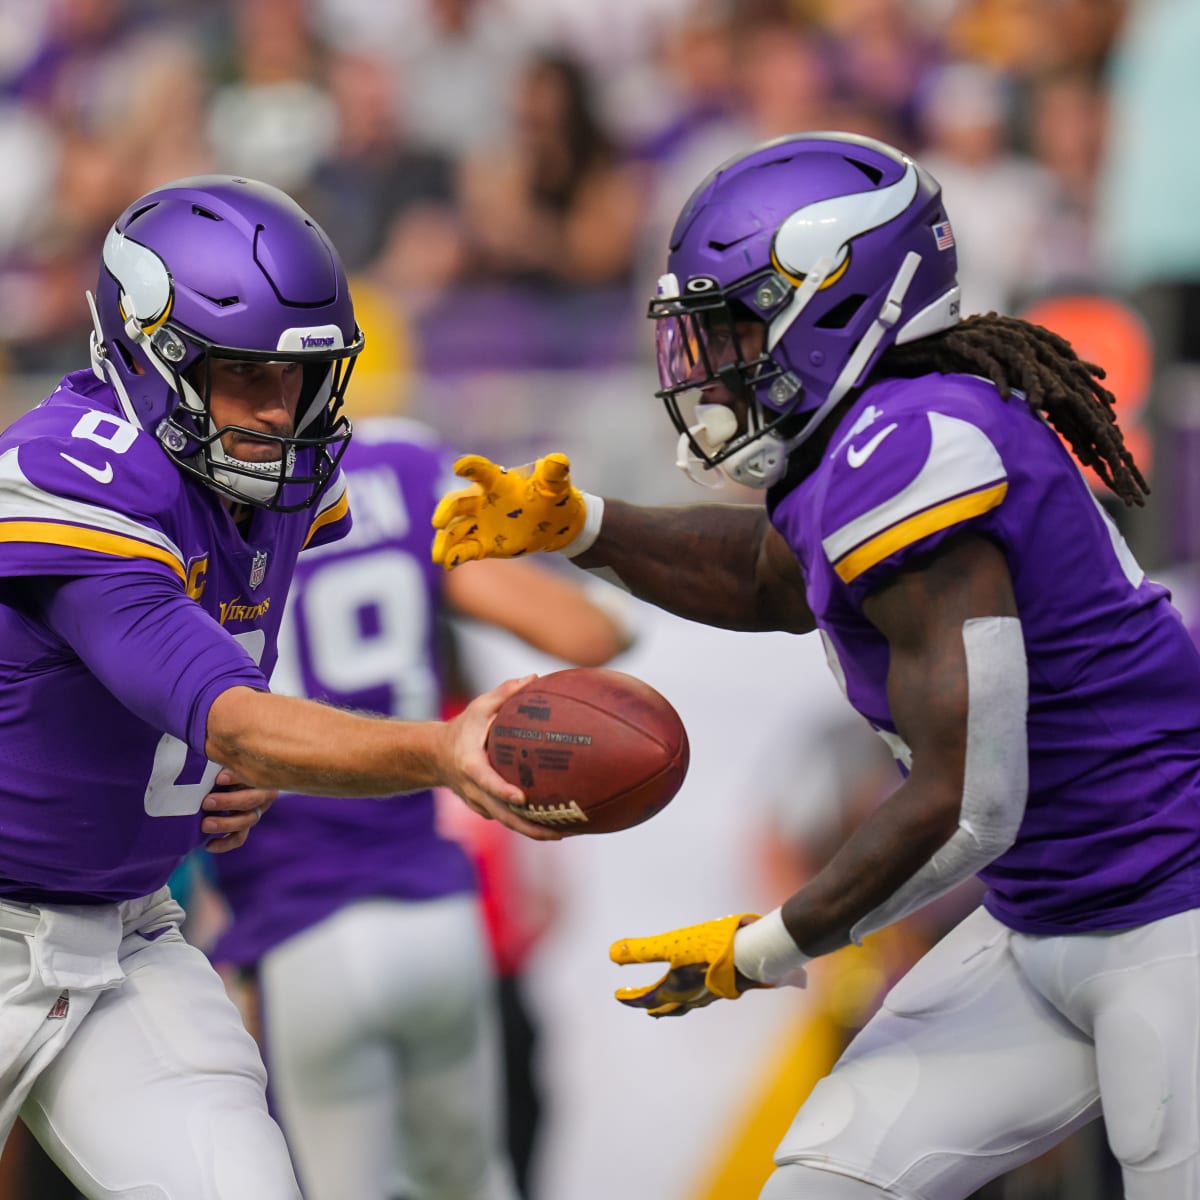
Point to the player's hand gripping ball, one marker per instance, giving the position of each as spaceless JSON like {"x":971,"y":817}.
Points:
{"x":507,"y":511}
{"x":593,"y":750}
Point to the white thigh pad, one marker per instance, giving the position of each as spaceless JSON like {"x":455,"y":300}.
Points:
{"x":964,"y":1072}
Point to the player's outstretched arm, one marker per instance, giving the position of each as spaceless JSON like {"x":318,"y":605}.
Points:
{"x":301,"y":746}
{"x":720,"y":564}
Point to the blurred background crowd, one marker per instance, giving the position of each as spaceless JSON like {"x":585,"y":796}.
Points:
{"x":500,"y":177}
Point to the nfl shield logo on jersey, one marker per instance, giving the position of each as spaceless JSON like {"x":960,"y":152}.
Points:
{"x":258,"y":568}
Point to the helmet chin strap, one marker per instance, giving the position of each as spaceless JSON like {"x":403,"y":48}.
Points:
{"x":102,"y":366}
{"x":761,"y":463}
{"x":261,"y":479}
{"x":890,"y":311}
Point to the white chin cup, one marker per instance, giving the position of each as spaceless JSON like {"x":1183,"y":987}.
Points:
{"x":759,"y":464}
{"x":261,"y":480}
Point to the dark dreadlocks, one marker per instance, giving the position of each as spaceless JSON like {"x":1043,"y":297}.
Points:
{"x":1018,"y":355}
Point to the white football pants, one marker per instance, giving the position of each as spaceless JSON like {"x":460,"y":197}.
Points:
{"x":379,"y":1030}
{"x":121,"y":1051}
{"x":996,"y":1046}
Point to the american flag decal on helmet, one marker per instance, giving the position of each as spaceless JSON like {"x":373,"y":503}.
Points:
{"x":943,"y":235}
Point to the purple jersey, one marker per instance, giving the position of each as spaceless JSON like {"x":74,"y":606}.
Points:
{"x":101,"y":757}
{"x":359,"y":631}
{"x":1110,"y":837}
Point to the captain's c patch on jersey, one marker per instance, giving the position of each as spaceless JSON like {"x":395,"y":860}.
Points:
{"x":962,"y":477}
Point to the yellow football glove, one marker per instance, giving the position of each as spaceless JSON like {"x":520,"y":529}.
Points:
{"x":507,"y":512}
{"x":702,"y":970}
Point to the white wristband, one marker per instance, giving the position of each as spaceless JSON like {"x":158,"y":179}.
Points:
{"x":593,"y":515}
{"x":765,"y":952}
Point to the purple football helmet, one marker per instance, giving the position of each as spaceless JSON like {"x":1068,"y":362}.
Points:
{"x":220,"y":267}
{"x":792,"y":268}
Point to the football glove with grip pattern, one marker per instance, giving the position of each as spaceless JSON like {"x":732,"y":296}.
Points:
{"x":701,"y":967}
{"x":506,"y":512}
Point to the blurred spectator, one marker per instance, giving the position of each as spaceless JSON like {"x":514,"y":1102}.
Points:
{"x":371,"y":175}
{"x":95,"y":94}
{"x":273,"y":120}
{"x":784,"y":78}
{"x":1084,"y":32}
{"x":454,"y":62}
{"x":30,"y":151}
{"x":694,"y":62}
{"x":556,"y":206}
{"x":23,"y":25}
{"x":1000,"y":198}
{"x":1066,"y":133}
{"x":173,"y":80}
{"x":550,"y":220}
{"x":1029,"y":37}
{"x":700,"y":120}
{"x":1147,"y":233}
{"x":878,"y":54}
{"x":457,"y":69}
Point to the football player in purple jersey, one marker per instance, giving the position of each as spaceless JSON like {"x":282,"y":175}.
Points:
{"x":356,"y":922}
{"x":152,"y":510}
{"x":1040,"y":694}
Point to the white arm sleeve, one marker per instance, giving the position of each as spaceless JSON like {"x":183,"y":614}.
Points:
{"x":996,"y":774}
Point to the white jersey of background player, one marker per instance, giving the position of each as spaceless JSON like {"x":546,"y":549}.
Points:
{"x":357,"y":918}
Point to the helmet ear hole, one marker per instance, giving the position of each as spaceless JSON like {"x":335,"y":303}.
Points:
{"x":126,"y":357}
{"x":842,"y":313}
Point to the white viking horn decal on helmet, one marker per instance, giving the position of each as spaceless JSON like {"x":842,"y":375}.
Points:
{"x":143,"y":277}
{"x":812,"y":244}
{"x":826,"y":228}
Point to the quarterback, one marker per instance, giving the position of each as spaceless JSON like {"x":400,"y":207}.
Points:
{"x":152,"y":510}
{"x":1040,"y":694}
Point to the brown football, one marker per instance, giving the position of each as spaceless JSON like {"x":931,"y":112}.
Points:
{"x":593,"y":750}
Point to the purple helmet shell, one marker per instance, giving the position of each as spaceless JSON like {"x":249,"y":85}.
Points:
{"x":222,"y":267}
{"x":839,"y":245}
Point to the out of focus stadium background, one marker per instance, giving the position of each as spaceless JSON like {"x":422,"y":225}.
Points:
{"x":500,"y":177}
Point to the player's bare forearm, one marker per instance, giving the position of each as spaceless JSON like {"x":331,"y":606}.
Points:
{"x":298,"y":745}
{"x":302,"y":746}
{"x":719,"y":564}
{"x":899,"y":838}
